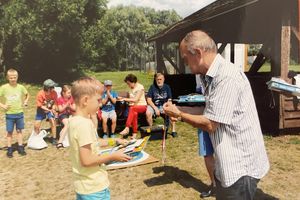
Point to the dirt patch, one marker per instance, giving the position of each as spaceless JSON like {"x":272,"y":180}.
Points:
{"x":46,"y":174}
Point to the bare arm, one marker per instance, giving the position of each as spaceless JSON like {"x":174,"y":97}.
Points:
{"x":199,"y":121}
{"x":61,"y":108}
{"x":150,"y":102}
{"x":26,"y":99}
{"x":4,"y":106}
{"x":73,"y":107}
{"x":104,"y":101}
{"x":136,"y":98}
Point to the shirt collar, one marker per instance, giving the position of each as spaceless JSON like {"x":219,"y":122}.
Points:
{"x":213,"y":69}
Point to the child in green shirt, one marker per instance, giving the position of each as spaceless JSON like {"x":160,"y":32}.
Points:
{"x":16,"y":96}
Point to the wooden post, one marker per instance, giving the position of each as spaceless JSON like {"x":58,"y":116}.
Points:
{"x":285,"y":59}
{"x":161,"y":67}
{"x":285,"y":51}
{"x":299,"y":29}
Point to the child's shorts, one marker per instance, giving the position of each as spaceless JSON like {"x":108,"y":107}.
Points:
{"x":109,"y":115}
{"x":12,"y":119}
{"x":152,"y":111}
{"x":63,"y":116}
{"x":41,"y":114}
{"x":205,"y":145}
{"x":103,"y":195}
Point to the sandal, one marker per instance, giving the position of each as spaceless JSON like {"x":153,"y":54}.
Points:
{"x":59,"y":145}
{"x":124,"y":132}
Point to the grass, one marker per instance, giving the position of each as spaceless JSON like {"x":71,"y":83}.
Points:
{"x":267,"y":68}
{"x":47,"y":174}
{"x":118,"y":77}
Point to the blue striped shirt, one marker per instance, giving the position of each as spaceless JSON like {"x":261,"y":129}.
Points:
{"x":238,"y":140}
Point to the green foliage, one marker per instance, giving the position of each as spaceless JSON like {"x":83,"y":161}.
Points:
{"x":44,"y":36}
{"x":118,"y":40}
{"x":118,"y":78}
{"x":53,"y":38}
{"x":254,"y":49}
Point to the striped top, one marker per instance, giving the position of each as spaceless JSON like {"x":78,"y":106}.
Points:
{"x":238,"y":140}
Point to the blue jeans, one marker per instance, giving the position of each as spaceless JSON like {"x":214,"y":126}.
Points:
{"x":41,"y":114}
{"x":102,"y":195}
{"x":12,"y":119}
{"x":242,"y":189}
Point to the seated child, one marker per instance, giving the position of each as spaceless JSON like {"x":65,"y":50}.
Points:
{"x":15,"y":96}
{"x":45,"y":102}
{"x":90,"y":177}
{"x":109,"y":99}
{"x":66,"y":107}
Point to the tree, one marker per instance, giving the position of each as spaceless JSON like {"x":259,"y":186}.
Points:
{"x":44,"y":36}
{"x":118,"y":40}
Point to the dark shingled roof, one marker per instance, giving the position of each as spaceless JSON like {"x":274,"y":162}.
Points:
{"x":237,"y":21}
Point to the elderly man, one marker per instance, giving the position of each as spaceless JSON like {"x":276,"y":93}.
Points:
{"x":158,"y":94}
{"x":230,"y":117}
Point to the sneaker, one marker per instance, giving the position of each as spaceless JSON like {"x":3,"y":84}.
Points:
{"x":112,"y":135}
{"x":21,"y":150}
{"x":105,"y":136}
{"x":174,"y":134}
{"x":209,"y":193}
{"x":9,"y":152}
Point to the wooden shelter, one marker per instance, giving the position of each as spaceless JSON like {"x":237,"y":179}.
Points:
{"x":272,"y":23}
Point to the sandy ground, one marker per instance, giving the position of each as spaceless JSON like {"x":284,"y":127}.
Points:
{"x":46,"y":174}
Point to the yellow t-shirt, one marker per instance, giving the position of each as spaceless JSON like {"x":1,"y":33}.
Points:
{"x":13,"y":97}
{"x":133,"y":92}
{"x":86,"y":179}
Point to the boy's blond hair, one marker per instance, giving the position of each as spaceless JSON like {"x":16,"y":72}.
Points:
{"x":11,"y":71}
{"x":85,"y":86}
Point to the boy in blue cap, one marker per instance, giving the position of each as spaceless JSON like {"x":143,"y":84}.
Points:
{"x":109,"y":99}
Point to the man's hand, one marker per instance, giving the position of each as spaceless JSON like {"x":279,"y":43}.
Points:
{"x":171,"y":110}
{"x":157,"y":112}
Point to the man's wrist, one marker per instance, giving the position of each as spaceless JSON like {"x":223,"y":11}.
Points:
{"x":180,"y":116}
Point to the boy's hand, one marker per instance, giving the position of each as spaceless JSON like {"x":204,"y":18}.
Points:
{"x":120,"y":156}
{"x":5,"y":106}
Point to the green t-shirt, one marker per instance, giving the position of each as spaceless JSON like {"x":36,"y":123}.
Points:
{"x":13,"y":97}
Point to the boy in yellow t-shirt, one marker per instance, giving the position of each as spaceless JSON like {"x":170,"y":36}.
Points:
{"x":90,"y":177}
{"x":16,"y":96}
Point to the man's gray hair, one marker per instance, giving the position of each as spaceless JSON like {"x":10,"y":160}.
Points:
{"x":199,"y":39}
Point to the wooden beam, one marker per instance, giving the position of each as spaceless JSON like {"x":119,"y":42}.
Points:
{"x":232,"y":52}
{"x":172,"y":63}
{"x":222,"y":47}
{"x":258,"y":62}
